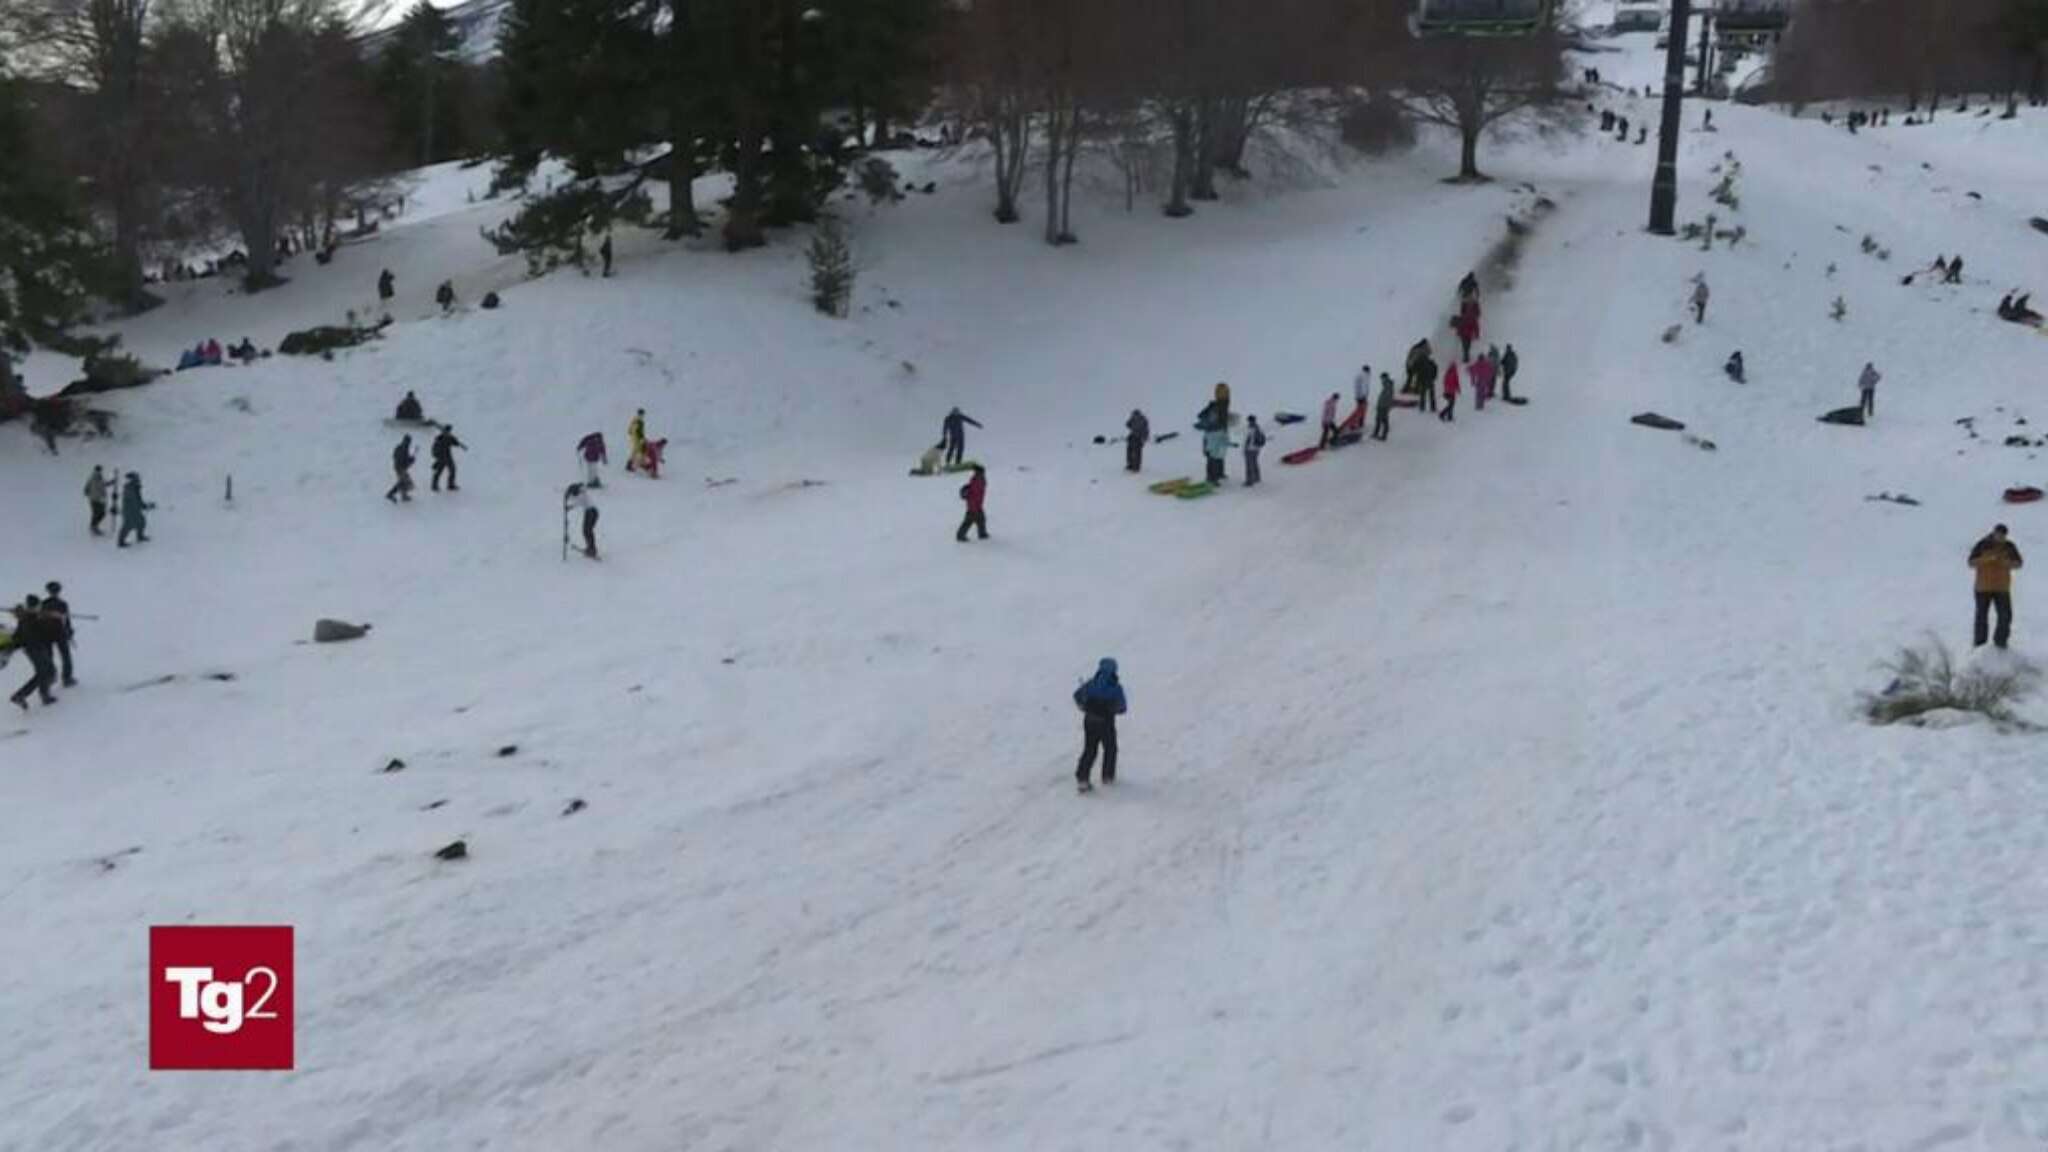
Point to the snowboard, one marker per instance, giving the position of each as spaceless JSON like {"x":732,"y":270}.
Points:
{"x":1285,"y":418}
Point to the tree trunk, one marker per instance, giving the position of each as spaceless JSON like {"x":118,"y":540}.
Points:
{"x":1067,"y":184}
{"x":1062,"y":141}
{"x":682,"y":128}
{"x":1468,"y":152}
{"x":743,"y":213}
{"x":1234,"y":133}
{"x":13,"y":397}
{"x":1202,"y":184}
{"x":1009,"y":130}
{"x":1183,"y":161}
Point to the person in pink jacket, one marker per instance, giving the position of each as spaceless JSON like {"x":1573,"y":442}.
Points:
{"x":1450,"y":392}
{"x":1482,"y":382}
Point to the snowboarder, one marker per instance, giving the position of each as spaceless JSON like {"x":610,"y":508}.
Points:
{"x":1329,"y":421}
{"x":59,"y":612}
{"x":1450,"y":393}
{"x":1994,"y":558}
{"x":604,"y":253}
{"x":132,"y":508}
{"x":1735,"y":369}
{"x":1137,"y":433}
{"x":974,"y":492}
{"x":953,"y":434}
{"x":578,"y":498}
{"x":1215,"y":442}
{"x":1509,"y":362}
{"x":1101,"y":700}
{"x":401,"y":465}
{"x":1866,"y":385}
{"x":591,"y":449}
{"x":387,"y":286}
{"x":636,"y":437}
{"x":35,"y":634}
{"x":96,"y":498}
{"x":1254,"y":441}
{"x":443,"y":450}
{"x":445,"y":296}
{"x":1699,"y":300}
{"x":409,"y":410}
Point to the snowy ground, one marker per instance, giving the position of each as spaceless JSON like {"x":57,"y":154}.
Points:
{"x":1499,"y":787}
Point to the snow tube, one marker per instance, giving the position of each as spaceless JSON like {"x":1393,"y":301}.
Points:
{"x":1300,"y":456}
{"x":1653,"y":420}
{"x":2039,"y":223}
{"x":2025,"y":495}
{"x":1849,"y":416}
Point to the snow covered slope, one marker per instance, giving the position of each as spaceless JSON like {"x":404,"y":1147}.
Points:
{"x":1498,"y":787}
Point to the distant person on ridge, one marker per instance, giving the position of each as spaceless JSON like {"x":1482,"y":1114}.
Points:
{"x":401,"y":465}
{"x":445,"y":296}
{"x":1254,"y":441}
{"x":1995,"y":558}
{"x":953,"y":434}
{"x":443,"y":450}
{"x":96,"y":498}
{"x":974,"y":492}
{"x":1736,"y":370}
{"x":1101,"y":700}
{"x":409,"y":410}
{"x":1137,"y":432}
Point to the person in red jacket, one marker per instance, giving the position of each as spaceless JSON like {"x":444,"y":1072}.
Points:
{"x":974,"y":491}
{"x":1450,"y":392}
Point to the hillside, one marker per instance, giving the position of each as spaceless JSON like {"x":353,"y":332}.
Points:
{"x":1497,"y":787}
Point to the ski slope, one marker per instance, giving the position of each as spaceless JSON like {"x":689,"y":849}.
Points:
{"x":1498,"y":787}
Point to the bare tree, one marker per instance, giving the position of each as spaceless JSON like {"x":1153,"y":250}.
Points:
{"x":1473,"y":84}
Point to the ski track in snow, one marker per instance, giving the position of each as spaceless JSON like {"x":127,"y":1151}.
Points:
{"x":1498,"y":787}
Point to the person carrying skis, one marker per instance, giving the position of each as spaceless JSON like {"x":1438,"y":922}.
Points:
{"x":1866,"y":386}
{"x":1382,"y":420}
{"x":1995,"y":558}
{"x":59,"y":611}
{"x":96,"y":499}
{"x":636,"y":438}
{"x":1254,"y":441}
{"x":1329,"y":421}
{"x":591,"y":448}
{"x":409,"y":410}
{"x":1137,"y":433}
{"x":1450,"y":393}
{"x":1101,"y":700}
{"x":401,"y":465}
{"x":974,"y":492}
{"x":387,"y":286}
{"x":443,"y":450}
{"x":132,"y":508}
{"x":1699,"y":300}
{"x":1508,"y":363}
{"x":577,"y":498}
{"x":35,"y":633}
{"x":953,"y":434}
{"x":1215,"y":442}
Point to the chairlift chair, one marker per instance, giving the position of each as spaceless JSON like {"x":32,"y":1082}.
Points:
{"x":1434,"y":18}
{"x":1755,"y":20}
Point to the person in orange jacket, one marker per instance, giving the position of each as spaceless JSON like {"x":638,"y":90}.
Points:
{"x":1995,"y":558}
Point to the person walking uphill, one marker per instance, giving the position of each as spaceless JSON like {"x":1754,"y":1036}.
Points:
{"x":1450,"y":393}
{"x":444,"y":448}
{"x":132,"y":508}
{"x":974,"y":492}
{"x":386,"y":286}
{"x":1509,"y":362}
{"x":35,"y":634}
{"x":401,"y":466}
{"x":1866,"y":387}
{"x":1137,"y":432}
{"x":59,"y":612}
{"x":96,"y":498}
{"x":1101,"y":700}
{"x":1995,"y":558}
{"x":1699,"y":300}
{"x":953,"y":434}
{"x":1254,"y":442}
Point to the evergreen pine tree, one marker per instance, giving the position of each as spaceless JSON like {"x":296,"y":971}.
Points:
{"x":47,"y":259}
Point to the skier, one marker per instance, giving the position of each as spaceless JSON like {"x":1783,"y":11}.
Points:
{"x":401,"y":465}
{"x":1866,"y":384}
{"x":1137,"y":433}
{"x":636,"y":434}
{"x":409,"y":410}
{"x":132,"y":508}
{"x":1254,"y":440}
{"x":953,"y":434}
{"x":96,"y":498}
{"x":578,"y":497}
{"x":604,"y":252}
{"x":443,"y":450}
{"x":59,"y":612}
{"x":1736,"y":370}
{"x":1509,"y":361}
{"x":1329,"y":421}
{"x":1382,"y":420}
{"x":35,"y":634}
{"x":445,"y":296}
{"x":1215,"y":442}
{"x":387,"y":286}
{"x":974,"y":492}
{"x":1101,"y":700}
{"x":1450,"y":392}
{"x":591,"y":448}
{"x":1995,"y":558}
{"x":1699,"y":300}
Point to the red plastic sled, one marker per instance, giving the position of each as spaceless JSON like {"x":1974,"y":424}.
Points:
{"x":1300,"y":456}
{"x":2022,"y":495}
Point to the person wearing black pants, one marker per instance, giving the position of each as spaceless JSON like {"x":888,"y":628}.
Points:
{"x":1137,"y":430}
{"x":1510,"y":361}
{"x":1101,"y":701}
{"x":445,"y":445}
{"x":59,"y":613}
{"x":1254,"y":442}
{"x":34,"y":634}
{"x":1994,"y":558}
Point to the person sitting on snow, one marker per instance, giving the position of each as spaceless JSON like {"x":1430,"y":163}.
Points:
{"x":213,"y":354}
{"x":1735,"y":369}
{"x":409,"y":410}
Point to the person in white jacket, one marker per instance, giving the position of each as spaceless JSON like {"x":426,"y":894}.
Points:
{"x":1361,"y":385}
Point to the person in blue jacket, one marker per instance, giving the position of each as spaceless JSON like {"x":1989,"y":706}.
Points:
{"x":1101,"y":701}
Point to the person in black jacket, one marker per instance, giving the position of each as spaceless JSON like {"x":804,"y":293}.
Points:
{"x":386,"y":286}
{"x":59,"y":612}
{"x":445,"y":296}
{"x":35,"y":633}
{"x":409,"y":410}
{"x":401,"y":464}
{"x":444,"y":448}
{"x":953,"y":434}
{"x":1137,"y":433}
{"x":1101,"y":700}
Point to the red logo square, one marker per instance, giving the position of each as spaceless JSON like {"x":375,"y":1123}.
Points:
{"x":220,"y":997}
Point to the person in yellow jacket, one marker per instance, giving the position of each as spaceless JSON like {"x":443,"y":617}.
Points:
{"x":636,"y":438}
{"x":1995,"y":558}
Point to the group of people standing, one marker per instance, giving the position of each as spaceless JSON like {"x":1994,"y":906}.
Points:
{"x":126,"y":504}
{"x":43,"y":632}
